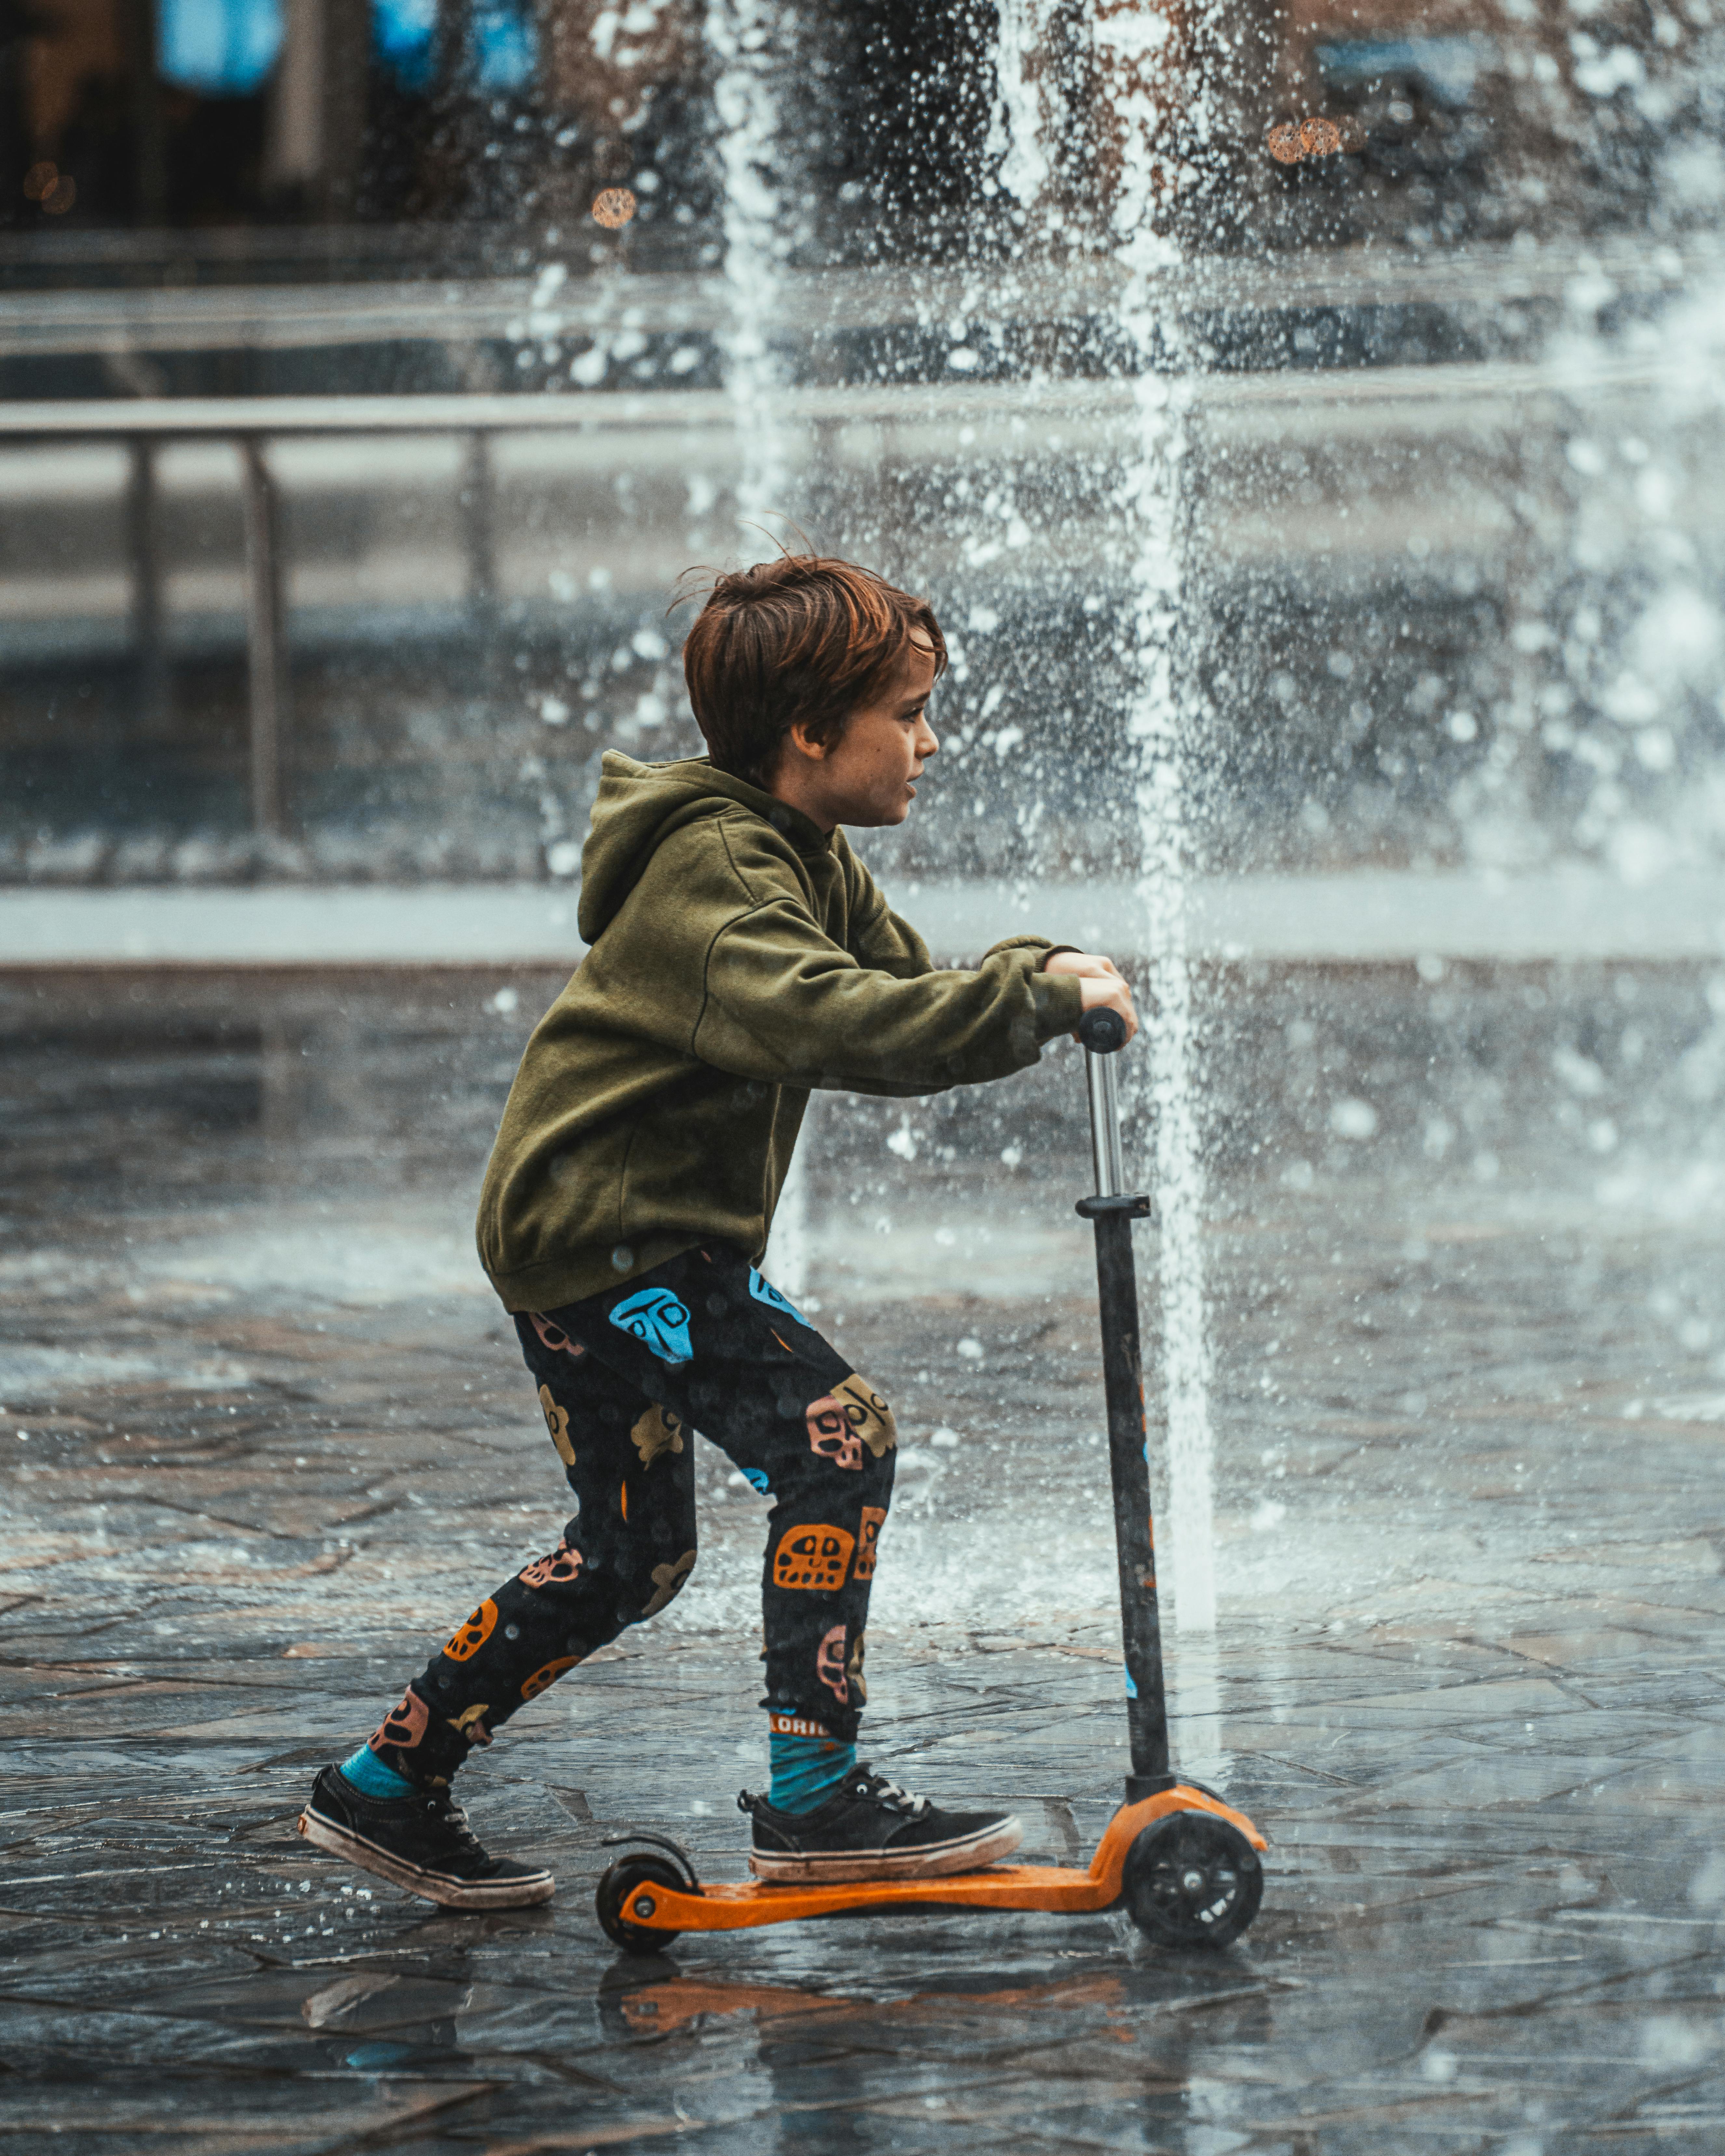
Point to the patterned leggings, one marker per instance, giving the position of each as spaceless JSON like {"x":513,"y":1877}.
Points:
{"x":625,"y":1380}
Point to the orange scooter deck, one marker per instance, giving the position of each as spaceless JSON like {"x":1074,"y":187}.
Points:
{"x":1060,"y":1887}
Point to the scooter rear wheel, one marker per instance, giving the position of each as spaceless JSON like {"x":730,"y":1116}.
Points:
{"x":1192,"y":1880}
{"x":620,"y":1883}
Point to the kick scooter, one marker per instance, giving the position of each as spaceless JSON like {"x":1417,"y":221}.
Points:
{"x":1185,"y":1863}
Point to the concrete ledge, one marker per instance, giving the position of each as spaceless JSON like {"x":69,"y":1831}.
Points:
{"x":1362,"y":916}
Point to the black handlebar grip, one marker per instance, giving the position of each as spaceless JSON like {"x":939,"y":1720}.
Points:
{"x":1102,"y":1031}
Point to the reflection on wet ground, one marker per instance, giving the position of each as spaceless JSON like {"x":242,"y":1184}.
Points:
{"x":265,"y":1436}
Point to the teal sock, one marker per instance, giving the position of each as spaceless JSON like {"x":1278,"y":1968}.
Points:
{"x":372,"y":1779}
{"x":809,"y":1764}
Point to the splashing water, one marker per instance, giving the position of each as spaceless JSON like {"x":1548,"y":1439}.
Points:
{"x":1159,"y":724}
{"x":1195,"y":1689}
{"x":1016,"y":149}
{"x":1138,"y":74}
{"x":1179,"y":1174}
{"x":1161,"y":720}
{"x":745,"y":37}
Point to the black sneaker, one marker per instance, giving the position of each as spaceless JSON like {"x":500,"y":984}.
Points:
{"x":420,"y":1842}
{"x":871,"y":1829}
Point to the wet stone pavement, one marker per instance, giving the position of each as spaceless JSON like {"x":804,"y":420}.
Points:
{"x":266,"y":1438}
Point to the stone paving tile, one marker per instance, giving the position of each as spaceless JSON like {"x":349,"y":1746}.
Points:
{"x":1468,"y":1674}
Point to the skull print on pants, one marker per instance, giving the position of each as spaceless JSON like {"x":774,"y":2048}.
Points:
{"x":625,"y":1380}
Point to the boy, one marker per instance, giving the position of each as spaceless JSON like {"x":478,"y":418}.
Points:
{"x":739,"y":955}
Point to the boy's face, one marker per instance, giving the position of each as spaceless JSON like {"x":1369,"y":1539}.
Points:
{"x":868,"y":776}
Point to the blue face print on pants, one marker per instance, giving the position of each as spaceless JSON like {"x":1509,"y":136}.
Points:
{"x":756,"y":1477}
{"x":764,"y":1291}
{"x":656,"y":1318}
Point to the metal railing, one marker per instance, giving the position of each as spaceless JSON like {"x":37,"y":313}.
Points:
{"x":146,"y":426}
{"x":1326,"y":406}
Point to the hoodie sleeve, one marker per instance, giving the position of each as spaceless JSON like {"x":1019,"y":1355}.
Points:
{"x":876,"y":936}
{"x":782,"y":1001}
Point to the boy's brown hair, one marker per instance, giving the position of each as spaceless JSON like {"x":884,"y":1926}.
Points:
{"x":804,"y":638}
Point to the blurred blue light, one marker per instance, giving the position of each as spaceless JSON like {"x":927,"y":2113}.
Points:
{"x":223,"y":48}
{"x":506,"y":42}
{"x":403,"y":37}
{"x":508,"y":46}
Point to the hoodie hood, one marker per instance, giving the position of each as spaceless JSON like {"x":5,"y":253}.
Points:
{"x":639,"y":805}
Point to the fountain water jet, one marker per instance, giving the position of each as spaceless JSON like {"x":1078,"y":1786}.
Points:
{"x":1140,"y":65}
{"x":1159,"y":724}
{"x":746,"y":39}
{"x":1161,"y":720}
{"x":1016,"y":149}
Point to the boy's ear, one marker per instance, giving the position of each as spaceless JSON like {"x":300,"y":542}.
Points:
{"x":796,"y":736}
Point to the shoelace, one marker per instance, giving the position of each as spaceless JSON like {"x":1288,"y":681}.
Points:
{"x":886,"y":1792}
{"x":451,"y":1815}
{"x":865,"y":1784}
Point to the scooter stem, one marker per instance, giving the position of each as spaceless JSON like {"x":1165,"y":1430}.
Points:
{"x":1112,"y":1211}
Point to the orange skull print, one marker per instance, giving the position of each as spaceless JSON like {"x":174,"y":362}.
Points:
{"x":464,"y":1642}
{"x":543,"y":1679}
{"x":562,"y":1566}
{"x":554,"y":1337}
{"x":404,"y":1725}
{"x":831,"y":1435}
{"x":818,"y":1557}
{"x":874,"y":1518}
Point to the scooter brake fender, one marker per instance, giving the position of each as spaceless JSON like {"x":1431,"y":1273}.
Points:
{"x":1107,"y":1868}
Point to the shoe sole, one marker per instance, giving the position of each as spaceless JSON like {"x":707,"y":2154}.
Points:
{"x":450,"y":1893}
{"x":938,"y":1860}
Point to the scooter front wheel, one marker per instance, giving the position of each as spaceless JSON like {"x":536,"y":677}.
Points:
{"x":1192,"y":1880}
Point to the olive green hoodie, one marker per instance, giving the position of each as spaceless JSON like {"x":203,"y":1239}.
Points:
{"x":739,"y":956}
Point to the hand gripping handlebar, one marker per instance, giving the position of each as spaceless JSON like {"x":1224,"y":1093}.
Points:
{"x":1102,"y":1031}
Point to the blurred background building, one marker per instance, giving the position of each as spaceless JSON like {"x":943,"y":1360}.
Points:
{"x":267,"y":118}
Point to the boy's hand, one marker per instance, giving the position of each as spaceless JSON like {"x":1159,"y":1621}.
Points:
{"x":1101,"y":982}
